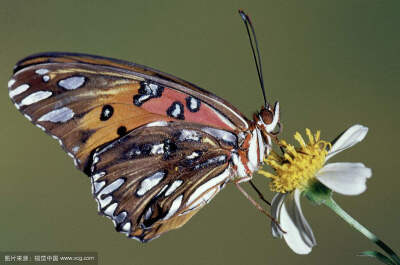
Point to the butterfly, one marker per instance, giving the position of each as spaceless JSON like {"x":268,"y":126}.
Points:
{"x":156,"y":148}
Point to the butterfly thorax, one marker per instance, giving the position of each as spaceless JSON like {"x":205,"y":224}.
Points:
{"x":256,"y":143}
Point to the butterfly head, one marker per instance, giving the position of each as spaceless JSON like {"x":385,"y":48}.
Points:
{"x":268,"y":119}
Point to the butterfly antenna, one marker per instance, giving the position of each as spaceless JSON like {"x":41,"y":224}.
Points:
{"x":257,"y":57}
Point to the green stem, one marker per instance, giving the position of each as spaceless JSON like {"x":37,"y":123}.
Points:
{"x":363,"y":230}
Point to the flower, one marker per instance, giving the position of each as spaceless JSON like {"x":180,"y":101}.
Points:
{"x":302,"y":169}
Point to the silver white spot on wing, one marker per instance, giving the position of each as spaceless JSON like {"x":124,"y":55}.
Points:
{"x":107,"y":113}
{"x":149,"y":182}
{"x":35,"y":97}
{"x":96,"y":159}
{"x":203,"y":193}
{"x":176,"y":111}
{"x":18,"y":90}
{"x":98,"y":186}
{"x":75,"y":149}
{"x":11,"y":83}
{"x":126,"y":228}
{"x":174,"y":207}
{"x":148,"y":214}
{"x":96,"y":177}
{"x":143,"y":98}
{"x":193,"y":103}
{"x":157,"y":149}
{"x":173,"y":187}
{"x":72,"y":83}
{"x":120,"y":217}
{"x":46,"y":78}
{"x":42,"y":71}
{"x":193,"y":155}
{"x":104,"y":202}
{"x":63,"y":114}
{"x":157,"y":123}
{"x":189,"y":135}
{"x":110,"y":188}
{"x":111,"y":209}
{"x":223,"y":135}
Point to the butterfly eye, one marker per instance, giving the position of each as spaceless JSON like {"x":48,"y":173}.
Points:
{"x":267,"y":116}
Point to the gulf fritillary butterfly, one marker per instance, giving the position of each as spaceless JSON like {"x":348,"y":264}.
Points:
{"x":156,"y":148}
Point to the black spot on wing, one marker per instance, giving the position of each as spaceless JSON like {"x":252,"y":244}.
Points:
{"x":147,"y":91}
{"x":106,"y":112}
{"x":176,"y":110}
{"x":169,"y":148}
{"x":193,"y":104}
{"x":138,"y":150}
{"x":157,"y":214}
{"x":121,"y":131}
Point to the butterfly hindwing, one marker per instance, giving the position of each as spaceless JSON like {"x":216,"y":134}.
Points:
{"x":156,"y":177}
{"x":86,"y":101}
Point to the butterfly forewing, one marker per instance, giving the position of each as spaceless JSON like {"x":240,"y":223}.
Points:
{"x":230,"y":114}
{"x":86,"y":101}
{"x":154,"y":179}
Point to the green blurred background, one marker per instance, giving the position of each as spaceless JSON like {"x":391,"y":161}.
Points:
{"x":331,"y":64}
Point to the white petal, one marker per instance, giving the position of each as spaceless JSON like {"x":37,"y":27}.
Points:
{"x":299,"y":235}
{"x":292,"y":236}
{"x":345,"y":178}
{"x":307,"y":234}
{"x":350,"y":137}
{"x":276,"y":205}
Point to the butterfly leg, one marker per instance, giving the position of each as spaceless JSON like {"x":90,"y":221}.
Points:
{"x":260,"y":195}
{"x":258,"y":206}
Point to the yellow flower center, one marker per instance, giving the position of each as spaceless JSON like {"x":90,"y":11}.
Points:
{"x":297,"y":167}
